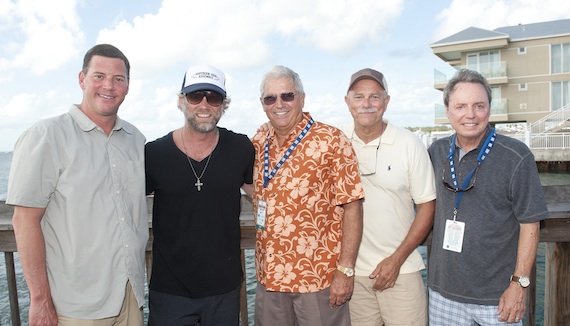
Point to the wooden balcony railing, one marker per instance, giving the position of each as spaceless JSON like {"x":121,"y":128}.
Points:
{"x":555,"y":232}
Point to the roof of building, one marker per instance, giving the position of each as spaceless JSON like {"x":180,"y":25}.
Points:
{"x":513,"y":33}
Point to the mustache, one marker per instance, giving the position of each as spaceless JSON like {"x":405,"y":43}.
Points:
{"x":367,"y":110}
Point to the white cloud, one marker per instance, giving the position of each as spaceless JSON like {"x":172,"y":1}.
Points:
{"x":241,"y":33}
{"x":50,"y":30}
{"x":24,"y":109}
{"x":335,"y":25}
{"x":218,"y":32}
{"x":492,"y":14}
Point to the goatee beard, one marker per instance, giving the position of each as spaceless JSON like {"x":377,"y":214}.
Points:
{"x":203,"y":127}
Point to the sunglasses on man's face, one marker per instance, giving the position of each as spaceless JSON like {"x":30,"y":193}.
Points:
{"x":285,"y":97}
{"x":213,"y":98}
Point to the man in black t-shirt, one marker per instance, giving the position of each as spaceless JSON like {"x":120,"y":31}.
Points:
{"x":196,"y":173}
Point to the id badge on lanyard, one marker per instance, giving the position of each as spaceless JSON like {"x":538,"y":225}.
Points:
{"x":455,"y":230}
{"x":261,"y":214}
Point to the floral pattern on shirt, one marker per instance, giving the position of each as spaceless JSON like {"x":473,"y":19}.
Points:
{"x":299,"y":247}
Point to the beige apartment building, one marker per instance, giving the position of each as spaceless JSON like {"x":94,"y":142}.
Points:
{"x":528,"y":67}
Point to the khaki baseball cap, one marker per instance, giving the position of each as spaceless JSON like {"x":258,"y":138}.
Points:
{"x":368,"y":73}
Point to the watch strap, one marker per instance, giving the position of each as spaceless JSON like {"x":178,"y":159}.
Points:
{"x":345,"y":270}
{"x":522,"y":281}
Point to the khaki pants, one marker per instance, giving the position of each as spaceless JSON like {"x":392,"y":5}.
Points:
{"x":130,"y":315}
{"x":297,"y":309}
{"x":404,"y":304}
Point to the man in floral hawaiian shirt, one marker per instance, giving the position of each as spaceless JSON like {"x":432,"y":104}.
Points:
{"x":308,"y":204}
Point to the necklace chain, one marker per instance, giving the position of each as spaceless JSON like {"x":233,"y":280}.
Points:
{"x":198,"y":183}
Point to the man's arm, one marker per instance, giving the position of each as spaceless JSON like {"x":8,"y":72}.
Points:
{"x":387,"y":270}
{"x":512,"y":304}
{"x":342,"y":285}
{"x":248,"y":189}
{"x":32,"y":253}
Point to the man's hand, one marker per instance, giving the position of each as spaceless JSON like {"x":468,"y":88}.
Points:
{"x":512,"y":304}
{"x":42,"y":313}
{"x":386,"y":273}
{"x":264,"y":126}
{"x":341,"y":289}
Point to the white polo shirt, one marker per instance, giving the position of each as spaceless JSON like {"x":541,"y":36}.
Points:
{"x":404,"y":176}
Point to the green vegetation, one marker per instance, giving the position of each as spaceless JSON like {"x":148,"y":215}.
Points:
{"x":430,"y":129}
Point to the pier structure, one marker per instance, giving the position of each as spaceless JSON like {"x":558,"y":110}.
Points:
{"x":554,"y":231}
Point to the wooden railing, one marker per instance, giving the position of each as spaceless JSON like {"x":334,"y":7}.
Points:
{"x":555,"y":232}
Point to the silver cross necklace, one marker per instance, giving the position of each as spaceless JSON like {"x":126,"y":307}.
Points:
{"x":198,"y":183}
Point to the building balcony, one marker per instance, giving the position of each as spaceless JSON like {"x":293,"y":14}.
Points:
{"x":499,"y":112}
{"x":496,"y":74}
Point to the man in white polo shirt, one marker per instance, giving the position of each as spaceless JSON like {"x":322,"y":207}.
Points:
{"x":398,"y":179}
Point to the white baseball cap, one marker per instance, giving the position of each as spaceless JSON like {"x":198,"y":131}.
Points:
{"x":204,"y":78}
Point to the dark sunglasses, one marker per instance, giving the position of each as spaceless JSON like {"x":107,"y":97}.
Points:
{"x":285,"y":97}
{"x":213,"y":98}
{"x":452,"y":188}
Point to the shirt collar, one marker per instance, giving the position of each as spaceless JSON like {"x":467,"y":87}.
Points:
{"x":87,"y":124}
{"x":295,"y":131}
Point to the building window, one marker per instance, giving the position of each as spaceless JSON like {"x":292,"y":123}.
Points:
{"x":522,"y":50}
{"x":522,"y":87}
{"x":487,"y":63}
{"x":560,"y":58}
{"x":560,"y":94}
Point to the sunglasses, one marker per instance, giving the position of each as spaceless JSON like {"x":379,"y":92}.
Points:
{"x":213,"y":98}
{"x":452,"y":188}
{"x":368,"y":174}
{"x":285,"y":97}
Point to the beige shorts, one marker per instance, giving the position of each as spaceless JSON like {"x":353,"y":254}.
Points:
{"x":404,"y":304}
{"x":130,"y":315}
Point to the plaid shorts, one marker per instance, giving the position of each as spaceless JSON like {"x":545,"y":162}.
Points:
{"x":445,"y":312}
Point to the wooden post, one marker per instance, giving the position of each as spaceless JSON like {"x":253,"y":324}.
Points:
{"x":549,"y":285}
{"x":530,"y":313}
{"x":243,"y":293}
{"x":561,"y":264}
{"x":12,"y":288}
{"x":557,"y":283}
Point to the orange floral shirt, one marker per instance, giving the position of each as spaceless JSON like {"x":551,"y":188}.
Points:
{"x":298,"y":249}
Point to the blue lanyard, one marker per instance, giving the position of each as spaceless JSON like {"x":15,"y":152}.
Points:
{"x":483,"y":153}
{"x":268,"y":176}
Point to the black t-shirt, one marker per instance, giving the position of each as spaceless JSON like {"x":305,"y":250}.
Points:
{"x":196,"y":248}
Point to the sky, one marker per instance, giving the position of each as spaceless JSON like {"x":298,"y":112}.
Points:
{"x":42,"y":44}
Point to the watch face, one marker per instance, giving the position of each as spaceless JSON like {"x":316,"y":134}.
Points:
{"x":349,"y":272}
{"x":524,"y":281}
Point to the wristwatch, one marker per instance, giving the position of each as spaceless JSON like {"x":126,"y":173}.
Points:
{"x":523,"y":281}
{"x":346,"y":270}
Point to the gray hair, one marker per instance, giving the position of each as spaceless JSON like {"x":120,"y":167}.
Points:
{"x":283,"y":72}
{"x":465,"y":76}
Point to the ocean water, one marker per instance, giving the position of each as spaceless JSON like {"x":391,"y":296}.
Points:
{"x":5,"y":160}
